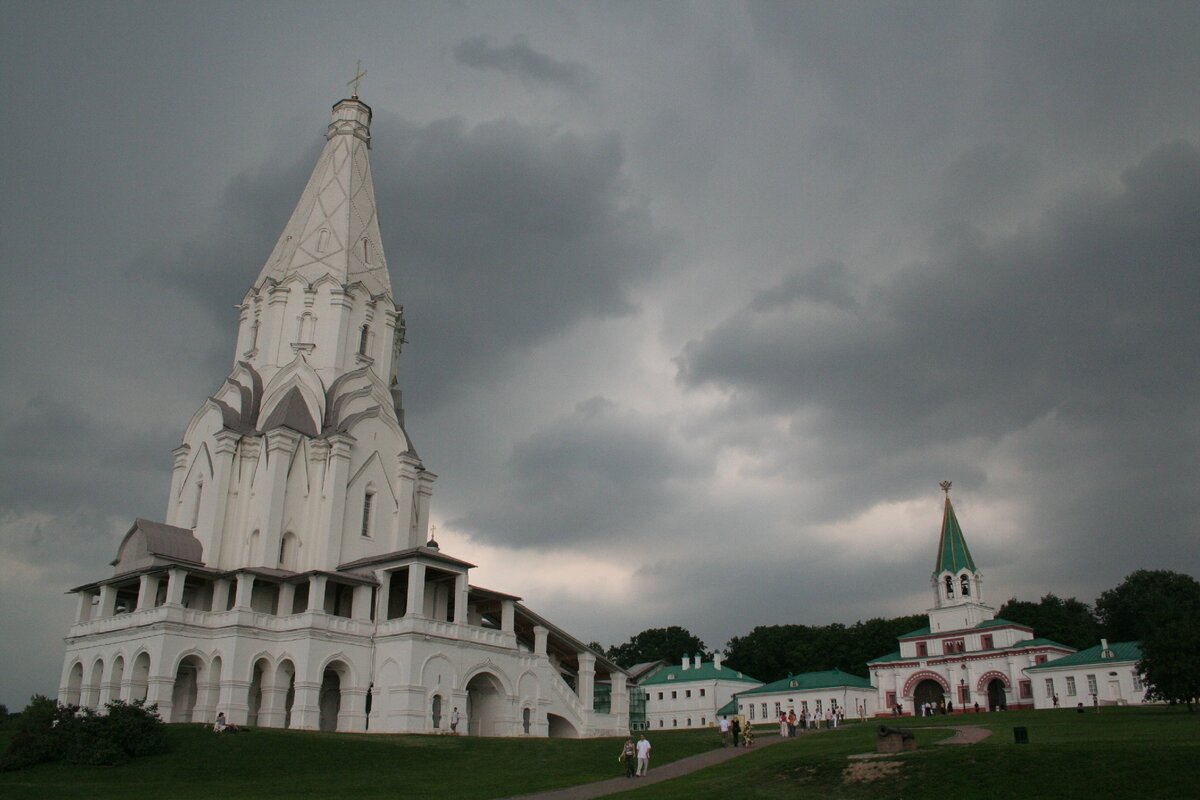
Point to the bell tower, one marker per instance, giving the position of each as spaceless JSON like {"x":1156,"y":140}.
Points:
{"x":957,"y":583}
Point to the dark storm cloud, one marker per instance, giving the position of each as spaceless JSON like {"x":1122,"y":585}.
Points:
{"x":498,"y":236}
{"x":828,"y":282}
{"x":502,"y":235}
{"x":989,"y":335}
{"x":1076,"y":335}
{"x":54,"y":458}
{"x":522,"y":61}
{"x":601,"y":475}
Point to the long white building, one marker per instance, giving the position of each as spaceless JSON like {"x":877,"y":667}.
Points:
{"x":293,"y":582}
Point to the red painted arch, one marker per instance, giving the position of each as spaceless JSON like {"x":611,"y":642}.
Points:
{"x":988,"y":677}
{"x":924,"y":675}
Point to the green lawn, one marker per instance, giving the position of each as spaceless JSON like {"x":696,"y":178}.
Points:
{"x":298,"y":764}
{"x":1142,"y":753}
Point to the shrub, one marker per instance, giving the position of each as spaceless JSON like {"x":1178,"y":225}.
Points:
{"x":48,"y":731}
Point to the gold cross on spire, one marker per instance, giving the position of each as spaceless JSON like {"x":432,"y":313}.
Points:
{"x":359,"y":74}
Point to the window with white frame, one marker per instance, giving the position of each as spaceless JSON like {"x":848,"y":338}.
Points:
{"x":1091,"y":679}
{"x":1070,"y":686}
{"x":1049,"y":687}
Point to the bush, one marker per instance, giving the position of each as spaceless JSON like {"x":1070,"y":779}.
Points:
{"x":48,"y":731}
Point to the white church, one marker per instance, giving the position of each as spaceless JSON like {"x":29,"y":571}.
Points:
{"x":965,"y":656}
{"x":293,"y":583}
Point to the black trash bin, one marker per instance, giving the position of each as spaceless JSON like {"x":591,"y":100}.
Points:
{"x":1021,"y":734}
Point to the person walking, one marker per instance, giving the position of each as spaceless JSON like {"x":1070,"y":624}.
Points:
{"x":643,"y":756}
{"x":723,"y":725}
{"x":748,"y":735}
{"x":628,"y":757}
{"x":737,"y":730}
{"x":783,"y":725}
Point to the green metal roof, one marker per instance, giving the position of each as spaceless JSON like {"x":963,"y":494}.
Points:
{"x":811,"y":680}
{"x":953,"y":555}
{"x":706,"y":672}
{"x":890,"y":657}
{"x":1121,"y":651}
{"x":730,"y":709}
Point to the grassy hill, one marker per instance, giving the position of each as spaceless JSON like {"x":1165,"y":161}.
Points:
{"x":1143,"y":753}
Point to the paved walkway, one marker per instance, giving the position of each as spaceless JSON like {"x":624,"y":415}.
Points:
{"x":966,"y":734}
{"x":666,"y":772}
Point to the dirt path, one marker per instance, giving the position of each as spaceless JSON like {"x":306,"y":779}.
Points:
{"x":967,"y":734}
{"x":666,"y":772}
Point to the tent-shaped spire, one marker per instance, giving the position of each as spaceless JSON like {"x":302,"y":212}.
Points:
{"x":334,"y":230}
{"x":953,"y":555}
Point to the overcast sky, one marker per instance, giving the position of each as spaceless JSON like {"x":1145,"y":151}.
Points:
{"x":703,"y":299}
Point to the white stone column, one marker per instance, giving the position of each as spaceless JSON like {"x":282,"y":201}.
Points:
{"x":318,"y":461}
{"x":175,"y":580}
{"x":508,"y":615}
{"x":360,"y":608}
{"x":211,"y":526}
{"x":220,"y":597}
{"x":416,"y":591}
{"x":281,"y":444}
{"x":337,"y":478}
{"x":316,"y":596}
{"x":108,"y":601}
{"x":461,"y":598}
{"x":245,"y":590}
{"x":287,"y":598}
{"x":586,"y":688}
{"x":233,"y":556}
{"x":541,"y":636}
{"x":425,"y":480}
{"x":306,"y":709}
{"x":619,"y":699}
{"x":403,"y":534}
{"x":178,"y":473}
{"x":271,"y":713}
{"x":147,"y":591}
{"x":83,"y":609}
{"x":353,"y":713}
{"x":381,"y":597}
{"x":274,"y":325}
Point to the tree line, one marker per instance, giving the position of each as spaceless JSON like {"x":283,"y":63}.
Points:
{"x":1159,"y":608}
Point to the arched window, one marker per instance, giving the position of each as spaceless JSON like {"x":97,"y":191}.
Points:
{"x":966,"y":586}
{"x":437,"y":711}
{"x":323,"y":240}
{"x":368,"y":508}
{"x":253,"y":335}
{"x":306,"y":328}
{"x":288,"y":547}
{"x":949,"y":586}
{"x":364,"y":338}
{"x":196,"y":510}
{"x":366,"y":244}
{"x":526,"y":713}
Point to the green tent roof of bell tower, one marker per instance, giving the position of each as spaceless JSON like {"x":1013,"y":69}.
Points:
{"x":953,"y":555}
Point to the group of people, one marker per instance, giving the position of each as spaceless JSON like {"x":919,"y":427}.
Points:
{"x":636,"y":757}
{"x":790,"y":721}
{"x":742,"y":734}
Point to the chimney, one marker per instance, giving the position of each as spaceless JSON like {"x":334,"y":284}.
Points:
{"x":685,"y":663}
{"x":1104,"y":651}
{"x":717,"y":659}
{"x":697,"y":661}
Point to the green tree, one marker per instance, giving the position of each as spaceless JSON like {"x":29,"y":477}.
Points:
{"x":669,"y":644}
{"x":1143,"y":601}
{"x":1070,"y":622}
{"x":1170,"y":655}
{"x":771,"y":652}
